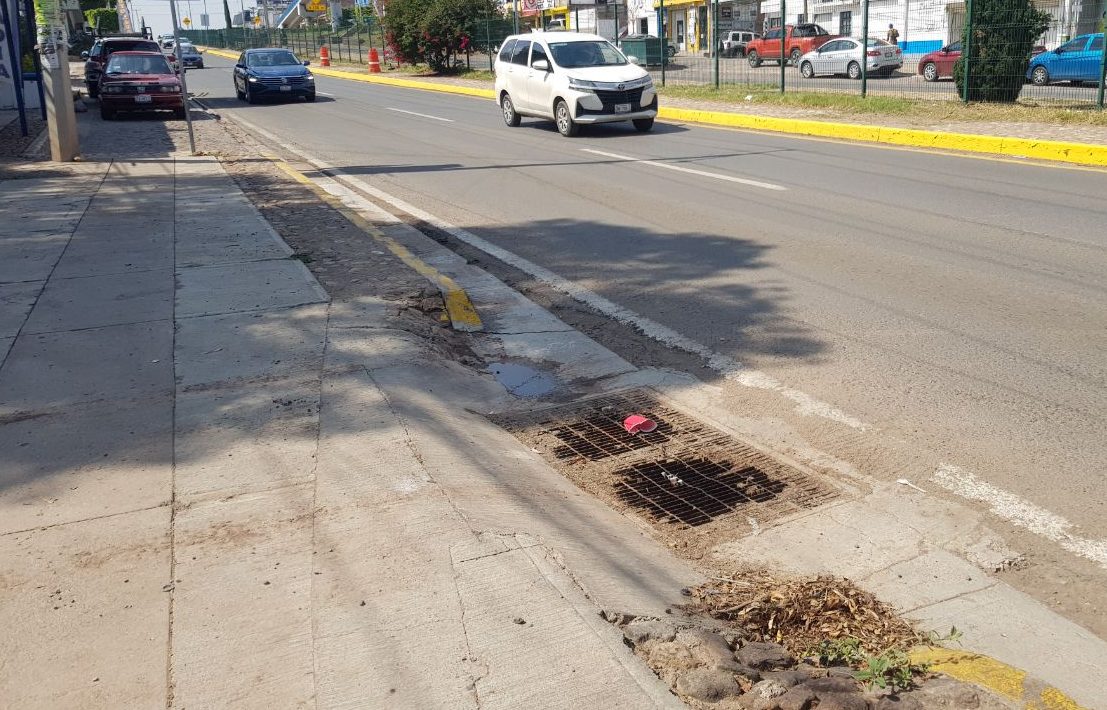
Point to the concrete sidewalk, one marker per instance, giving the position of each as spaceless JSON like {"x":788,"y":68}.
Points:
{"x":220,"y":488}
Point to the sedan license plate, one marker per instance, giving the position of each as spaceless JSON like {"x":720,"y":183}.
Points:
{"x":143,"y":99}
{"x":286,"y":88}
{"x":888,"y":55}
{"x":622,"y":108}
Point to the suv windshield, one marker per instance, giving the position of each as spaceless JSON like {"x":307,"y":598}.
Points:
{"x":271,"y":59}
{"x":586,"y":54}
{"x":132,"y":64}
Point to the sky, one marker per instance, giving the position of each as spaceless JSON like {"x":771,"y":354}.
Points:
{"x":157,"y":14}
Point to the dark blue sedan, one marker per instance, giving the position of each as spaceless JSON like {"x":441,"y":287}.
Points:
{"x":1080,"y":59}
{"x":272,"y":73}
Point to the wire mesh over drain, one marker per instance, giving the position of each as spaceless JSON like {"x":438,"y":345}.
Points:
{"x":683,"y":475}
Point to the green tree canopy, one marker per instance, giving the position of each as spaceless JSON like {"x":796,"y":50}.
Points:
{"x":999,"y":35}
{"x":104,"y":18}
{"x":433,"y":31}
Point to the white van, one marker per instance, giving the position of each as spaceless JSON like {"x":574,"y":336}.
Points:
{"x":573,"y":79}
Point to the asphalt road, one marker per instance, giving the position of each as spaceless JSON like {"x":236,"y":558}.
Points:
{"x":954,"y":305}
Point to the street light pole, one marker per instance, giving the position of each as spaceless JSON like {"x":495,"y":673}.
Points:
{"x":184,"y":71}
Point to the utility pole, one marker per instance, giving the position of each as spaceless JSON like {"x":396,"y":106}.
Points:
{"x":184,"y":71}
{"x":61,"y":119}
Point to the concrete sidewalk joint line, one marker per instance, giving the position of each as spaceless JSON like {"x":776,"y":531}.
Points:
{"x":460,"y":308}
{"x":1020,"y":512}
{"x":1057,"y":151}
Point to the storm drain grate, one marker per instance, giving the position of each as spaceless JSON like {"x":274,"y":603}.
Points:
{"x":684,"y":475}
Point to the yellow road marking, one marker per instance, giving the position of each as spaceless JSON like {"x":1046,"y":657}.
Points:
{"x":989,"y":673}
{"x":458,"y":305}
{"x":1018,"y":150}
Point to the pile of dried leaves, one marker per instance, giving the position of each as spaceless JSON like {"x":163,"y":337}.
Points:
{"x":800,"y":613}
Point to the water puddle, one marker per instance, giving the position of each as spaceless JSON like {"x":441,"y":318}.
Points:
{"x":523,"y":381}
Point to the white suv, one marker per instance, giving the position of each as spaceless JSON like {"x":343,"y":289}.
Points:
{"x":573,"y":79}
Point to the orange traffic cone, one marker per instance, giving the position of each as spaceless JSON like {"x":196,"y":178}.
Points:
{"x":324,"y":56}
{"x":374,"y":62}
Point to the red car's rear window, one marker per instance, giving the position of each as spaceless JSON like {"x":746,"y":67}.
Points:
{"x":136,"y":46}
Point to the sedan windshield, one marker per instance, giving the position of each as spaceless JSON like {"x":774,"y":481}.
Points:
{"x":133,"y":64}
{"x":276,"y":58}
{"x":586,"y":54}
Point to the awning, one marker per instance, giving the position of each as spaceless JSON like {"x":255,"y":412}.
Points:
{"x":678,"y":3}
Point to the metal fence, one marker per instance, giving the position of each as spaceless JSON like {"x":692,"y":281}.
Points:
{"x":919,"y":43}
{"x":913,"y":50}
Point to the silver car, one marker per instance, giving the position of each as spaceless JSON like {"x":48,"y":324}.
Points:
{"x":844,"y":56}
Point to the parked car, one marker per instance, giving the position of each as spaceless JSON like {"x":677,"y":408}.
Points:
{"x":939,"y":64}
{"x":799,"y":40}
{"x":843,"y":56}
{"x":1079,"y":60}
{"x":97,"y":57}
{"x":670,"y":48}
{"x":140,"y":81}
{"x":572,"y":79}
{"x":274,"y":73}
{"x":190,"y":56}
{"x":736,"y":41}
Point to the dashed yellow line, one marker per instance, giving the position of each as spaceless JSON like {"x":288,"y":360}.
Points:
{"x":997,"y":677}
{"x":460,"y":308}
{"x":963,"y":143}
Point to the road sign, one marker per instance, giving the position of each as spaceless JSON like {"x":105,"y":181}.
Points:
{"x":317,"y":6}
{"x":186,"y":21}
{"x":257,"y":20}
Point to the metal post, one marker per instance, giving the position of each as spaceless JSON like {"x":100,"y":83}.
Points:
{"x":1102,"y":70}
{"x":515,"y":16}
{"x":966,"y":55}
{"x":664,"y":40}
{"x":715,"y":40}
{"x":616,"y":23}
{"x":783,"y":41}
{"x":32,"y":32}
{"x":184,"y":81}
{"x":864,"y":48}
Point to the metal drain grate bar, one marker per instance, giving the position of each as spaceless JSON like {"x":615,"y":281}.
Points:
{"x":683,"y":475}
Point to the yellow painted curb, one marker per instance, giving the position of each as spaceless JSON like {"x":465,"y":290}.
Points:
{"x":462,"y":313}
{"x":998,"y":677}
{"x":1057,"y":151}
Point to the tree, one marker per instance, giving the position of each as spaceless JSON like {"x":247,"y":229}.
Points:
{"x":104,"y":19}
{"x":227,"y":14}
{"x":433,"y":31}
{"x":1003,"y":33}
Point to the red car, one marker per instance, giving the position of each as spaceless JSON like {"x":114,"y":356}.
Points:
{"x":140,"y":81}
{"x":98,"y":56}
{"x":939,"y":64}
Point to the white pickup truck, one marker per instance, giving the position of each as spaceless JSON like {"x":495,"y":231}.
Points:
{"x":735,"y":41}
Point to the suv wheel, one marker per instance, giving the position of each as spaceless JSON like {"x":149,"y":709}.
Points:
{"x":510,"y":117}
{"x":93,"y":91}
{"x":643,"y":124}
{"x":754,"y":58}
{"x":795,"y":56}
{"x":566,"y":126}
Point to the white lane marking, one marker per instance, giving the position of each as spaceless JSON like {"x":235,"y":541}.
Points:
{"x":726,"y":366}
{"x":690,"y":171}
{"x":421,"y":115}
{"x":1020,"y":512}
{"x":329,"y":96}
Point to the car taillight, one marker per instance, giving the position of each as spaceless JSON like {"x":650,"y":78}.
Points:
{"x":899,"y":51}
{"x":873,"y":53}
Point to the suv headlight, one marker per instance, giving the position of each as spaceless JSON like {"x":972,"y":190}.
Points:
{"x":582,"y":85}
{"x":309,"y":77}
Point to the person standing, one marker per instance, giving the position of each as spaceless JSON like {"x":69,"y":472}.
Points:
{"x":893,"y":35}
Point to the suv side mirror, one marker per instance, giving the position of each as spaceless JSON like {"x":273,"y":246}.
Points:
{"x":541,"y":65}
{"x":307,"y":63}
{"x":84,"y":55}
{"x":632,"y":59}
